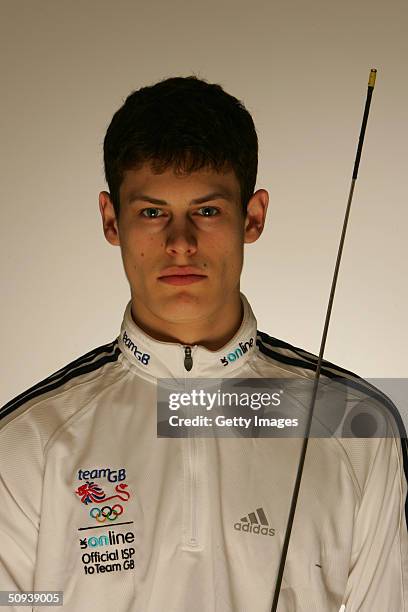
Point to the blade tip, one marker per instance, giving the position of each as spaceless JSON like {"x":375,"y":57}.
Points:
{"x":373,"y":74}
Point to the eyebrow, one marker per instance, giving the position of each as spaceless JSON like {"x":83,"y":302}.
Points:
{"x":215,"y":195}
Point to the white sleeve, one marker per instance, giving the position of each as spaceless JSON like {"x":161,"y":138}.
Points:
{"x":20,"y":502}
{"x":378,"y":576}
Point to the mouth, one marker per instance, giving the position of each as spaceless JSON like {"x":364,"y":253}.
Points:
{"x":181,"y":275}
{"x":182,"y":279}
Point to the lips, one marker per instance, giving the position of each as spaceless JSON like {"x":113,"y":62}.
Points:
{"x":181,"y":275}
{"x":182,"y":279}
{"x":181,"y":271}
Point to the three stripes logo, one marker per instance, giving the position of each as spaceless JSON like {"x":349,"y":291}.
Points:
{"x":255,"y":522}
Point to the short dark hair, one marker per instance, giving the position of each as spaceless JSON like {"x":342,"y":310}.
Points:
{"x":185,"y":123}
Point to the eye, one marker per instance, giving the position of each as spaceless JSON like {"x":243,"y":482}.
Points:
{"x":151,"y":213}
{"x":209,"y":211}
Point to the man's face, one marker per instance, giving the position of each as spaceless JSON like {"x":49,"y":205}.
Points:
{"x":194,"y":225}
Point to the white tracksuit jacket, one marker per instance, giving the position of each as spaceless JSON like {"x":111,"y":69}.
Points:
{"x":94,"y":504}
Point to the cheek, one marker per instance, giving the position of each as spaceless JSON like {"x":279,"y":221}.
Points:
{"x":231,"y":245}
{"x":135,"y":253}
{"x":230,"y":256}
{"x":227,"y":239}
{"x":138,"y":246}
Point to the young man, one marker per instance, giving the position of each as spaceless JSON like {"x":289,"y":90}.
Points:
{"x":95,"y":504}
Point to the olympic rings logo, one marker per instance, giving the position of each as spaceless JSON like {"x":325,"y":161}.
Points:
{"x":111,"y":513}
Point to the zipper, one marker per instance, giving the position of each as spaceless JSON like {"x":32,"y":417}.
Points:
{"x":188,"y":360}
{"x":192,"y":450}
{"x":193,"y":536}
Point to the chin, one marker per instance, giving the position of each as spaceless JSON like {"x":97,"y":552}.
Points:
{"x":185,"y":307}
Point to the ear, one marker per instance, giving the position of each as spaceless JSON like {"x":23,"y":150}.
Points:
{"x":110,"y":225}
{"x":256,"y":215}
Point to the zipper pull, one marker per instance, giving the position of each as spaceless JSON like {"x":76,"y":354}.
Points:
{"x":188,"y":360}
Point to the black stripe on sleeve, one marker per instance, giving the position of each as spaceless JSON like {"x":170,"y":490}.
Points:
{"x":82,"y":365}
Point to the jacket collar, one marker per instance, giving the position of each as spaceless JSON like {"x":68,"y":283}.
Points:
{"x":167,"y":359}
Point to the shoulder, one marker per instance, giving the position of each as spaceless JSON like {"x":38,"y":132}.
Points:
{"x":59,"y":386}
{"x":353,"y":402}
{"x":299,"y":361}
{"x":289,"y":354}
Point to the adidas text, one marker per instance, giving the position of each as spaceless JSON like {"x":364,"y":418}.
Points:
{"x":254,"y":529}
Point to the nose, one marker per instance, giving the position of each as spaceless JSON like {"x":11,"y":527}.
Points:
{"x":181,"y":240}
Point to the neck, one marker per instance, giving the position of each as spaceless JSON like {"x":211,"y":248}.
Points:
{"x":213,"y":330}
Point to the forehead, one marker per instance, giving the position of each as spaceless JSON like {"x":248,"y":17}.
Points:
{"x":168,"y":184}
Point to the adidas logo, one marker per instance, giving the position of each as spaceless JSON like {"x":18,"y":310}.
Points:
{"x":255,"y":522}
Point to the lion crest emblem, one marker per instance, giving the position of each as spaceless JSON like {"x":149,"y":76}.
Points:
{"x":91,"y":493}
